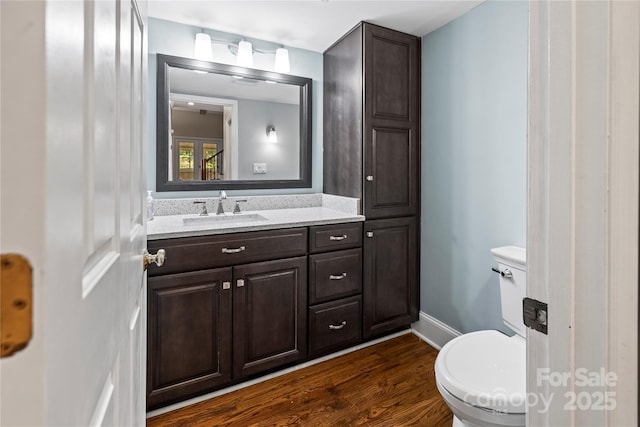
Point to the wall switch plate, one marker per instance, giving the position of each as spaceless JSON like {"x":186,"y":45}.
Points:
{"x":259,"y":168}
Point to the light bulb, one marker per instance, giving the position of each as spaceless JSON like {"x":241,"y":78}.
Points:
{"x":245,"y":54}
{"x":272,"y":135}
{"x":282,"y":61}
{"x":202,"y":50}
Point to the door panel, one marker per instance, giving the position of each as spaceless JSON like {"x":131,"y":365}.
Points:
{"x":390,"y":275}
{"x":189,"y":342}
{"x":89,"y":298}
{"x":391,"y":123}
{"x":392,"y":86}
{"x":269,"y":315}
{"x":392,"y":164}
{"x":389,"y":58}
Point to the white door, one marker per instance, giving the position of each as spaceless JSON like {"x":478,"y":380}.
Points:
{"x":73,"y":181}
{"x":582,"y":239}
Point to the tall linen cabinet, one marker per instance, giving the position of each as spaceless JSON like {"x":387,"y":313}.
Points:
{"x":372,"y":152}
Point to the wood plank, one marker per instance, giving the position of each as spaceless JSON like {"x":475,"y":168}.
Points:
{"x":388,"y":384}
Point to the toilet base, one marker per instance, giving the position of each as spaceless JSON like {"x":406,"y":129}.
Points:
{"x":457,"y":422}
{"x":477,"y":417}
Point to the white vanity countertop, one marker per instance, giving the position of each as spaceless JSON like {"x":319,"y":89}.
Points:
{"x":171,"y":226}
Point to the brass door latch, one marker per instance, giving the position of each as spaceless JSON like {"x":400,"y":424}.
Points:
{"x":16,"y":303}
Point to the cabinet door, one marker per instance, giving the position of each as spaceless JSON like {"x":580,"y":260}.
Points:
{"x":390,"y":277}
{"x":391,"y":123}
{"x":392,"y":172}
{"x":189,"y":335}
{"x":269,"y":315}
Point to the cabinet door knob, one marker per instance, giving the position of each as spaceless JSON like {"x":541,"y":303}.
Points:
{"x":226,"y":285}
{"x":370,"y":178}
{"x":369,"y":234}
{"x":240,"y":283}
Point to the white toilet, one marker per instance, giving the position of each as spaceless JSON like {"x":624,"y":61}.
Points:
{"x":481,"y":375}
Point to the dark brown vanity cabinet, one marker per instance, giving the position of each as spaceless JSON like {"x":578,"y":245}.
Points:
{"x":242,"y":312}
{"x":335,"y":287}
{"x":372,"y":120}
{"x":372,"y":152}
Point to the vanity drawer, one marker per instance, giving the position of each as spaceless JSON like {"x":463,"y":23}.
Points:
{"x":335,"y":275}
{"x":334,"y":325}
{"x":331,"y":237}
{"x":198,"y":253}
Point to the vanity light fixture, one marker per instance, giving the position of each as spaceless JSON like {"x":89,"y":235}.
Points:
{"x":245,"y":54}
{"x":243,"y":50}
{"x":202,"y":50}
{"x":271,"y":133}
{"x":282,"y":61}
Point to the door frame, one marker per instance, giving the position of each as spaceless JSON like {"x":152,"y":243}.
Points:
{"x":22,"y":376}
{"x":232,"y":143}
{"x":582,"y":215}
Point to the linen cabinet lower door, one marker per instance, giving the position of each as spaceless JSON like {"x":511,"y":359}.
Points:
{"x":189,"y":335}
{"x":269,"y":315}
{"x":390,"y":275}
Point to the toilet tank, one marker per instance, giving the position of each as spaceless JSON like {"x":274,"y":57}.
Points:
{"x":513,"y":287}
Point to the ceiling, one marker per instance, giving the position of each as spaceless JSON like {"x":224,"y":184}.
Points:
{"x":309,"y":24}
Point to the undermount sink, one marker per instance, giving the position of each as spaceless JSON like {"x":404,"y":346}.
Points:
{"x":223,"y":219}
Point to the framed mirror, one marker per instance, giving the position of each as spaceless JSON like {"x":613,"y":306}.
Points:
{"x":225,"y":127}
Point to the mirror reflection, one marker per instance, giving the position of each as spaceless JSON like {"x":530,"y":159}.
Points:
{"x":230,"y":127}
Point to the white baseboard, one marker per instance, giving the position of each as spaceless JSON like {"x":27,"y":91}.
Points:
{"x":433,"y":331}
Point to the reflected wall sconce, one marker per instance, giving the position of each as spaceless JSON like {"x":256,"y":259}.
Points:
{"x":271,"y":134}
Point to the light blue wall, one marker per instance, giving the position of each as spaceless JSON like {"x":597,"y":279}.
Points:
{"x":281,"y":158}
{"x":474,"y":116}
{"x":172,"y":38}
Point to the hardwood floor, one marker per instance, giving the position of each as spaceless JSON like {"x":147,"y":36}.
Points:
{"x":388,"y":384}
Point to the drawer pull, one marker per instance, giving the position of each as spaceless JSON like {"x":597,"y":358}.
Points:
{"x":344,"y":236}
{"x":337,"y":277}
{"x":337,"y":327}
{"x":233,"y":251}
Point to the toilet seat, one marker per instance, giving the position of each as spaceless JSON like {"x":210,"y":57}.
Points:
{"x":486,"y":369}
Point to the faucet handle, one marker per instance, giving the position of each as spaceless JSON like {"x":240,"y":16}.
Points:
{"x":204,"y":207}
{"x":236,"y":209}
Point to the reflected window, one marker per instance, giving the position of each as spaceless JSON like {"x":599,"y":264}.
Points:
{"x":198,"y":159}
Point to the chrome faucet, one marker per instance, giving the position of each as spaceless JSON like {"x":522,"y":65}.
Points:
{"x":236,"y":209}
{"x":223,"y":196}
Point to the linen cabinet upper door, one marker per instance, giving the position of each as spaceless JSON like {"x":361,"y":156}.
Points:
{"x":391,"y":134}
{"x":392,"y":74}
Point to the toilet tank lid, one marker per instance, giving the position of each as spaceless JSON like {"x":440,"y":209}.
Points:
{"x":511,"y":254}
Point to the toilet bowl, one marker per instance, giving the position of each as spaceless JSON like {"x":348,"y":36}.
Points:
{"x":482,"y":375}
